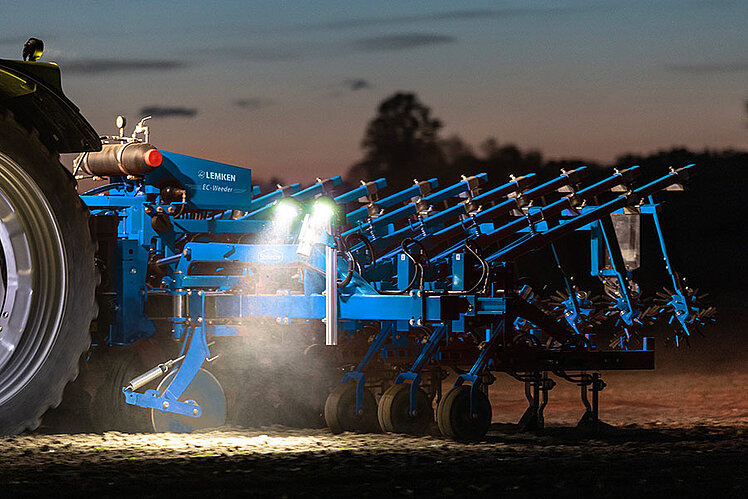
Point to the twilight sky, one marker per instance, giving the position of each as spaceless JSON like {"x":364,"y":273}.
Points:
{"x":288,"y":87}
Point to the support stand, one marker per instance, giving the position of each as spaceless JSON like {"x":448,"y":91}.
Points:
{"x":591,"y":418}
{"x":537,"y":387}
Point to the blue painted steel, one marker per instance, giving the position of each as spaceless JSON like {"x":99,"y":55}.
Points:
{"x":358,"y":192}
{"x":404,"y":195}
{"x":210,"y":185}
{"x":378,"y":226}
{"x":357,"y":374}
{"x":127,"y":278}
{"x":479,"y":366}
{"x":262,"y":207}
{"x":152,"y":399}
{"x":168,"y":400}
{"x":679,"y":299}
{"x":430,"y":226}
{"x":413,"y":374}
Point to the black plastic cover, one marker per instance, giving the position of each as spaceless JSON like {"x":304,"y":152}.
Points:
{"x":33,"y":92}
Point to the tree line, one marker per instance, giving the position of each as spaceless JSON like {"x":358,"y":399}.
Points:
{"x":403,"y":142}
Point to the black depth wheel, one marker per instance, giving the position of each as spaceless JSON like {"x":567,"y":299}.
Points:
{"x":393,"y":411}
{"x":454,"y":418}
{"x":207,"y":392}
{"x":340,"y":410}
{"x":47,"y":276}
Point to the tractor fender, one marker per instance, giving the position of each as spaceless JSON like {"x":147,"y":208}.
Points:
{"x":33,"y":92}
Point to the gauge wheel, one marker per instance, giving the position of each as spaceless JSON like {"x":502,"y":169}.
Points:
{"x":340,"y":410}
{"x":394,"y":415}
{"x":454,"y":417}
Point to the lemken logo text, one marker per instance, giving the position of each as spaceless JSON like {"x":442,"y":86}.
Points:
{"x":210,"y":175}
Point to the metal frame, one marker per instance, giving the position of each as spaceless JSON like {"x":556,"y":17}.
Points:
{"x":419,"y":258}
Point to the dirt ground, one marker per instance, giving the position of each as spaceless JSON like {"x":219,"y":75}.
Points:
{"x":674,"y":434}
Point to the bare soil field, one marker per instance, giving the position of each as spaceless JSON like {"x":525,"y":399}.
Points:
{"x":673,"y":435}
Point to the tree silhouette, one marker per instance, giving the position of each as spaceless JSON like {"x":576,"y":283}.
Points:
{"x":401,"y":143}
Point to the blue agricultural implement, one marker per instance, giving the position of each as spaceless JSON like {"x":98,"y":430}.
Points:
{"x":180,"y":262}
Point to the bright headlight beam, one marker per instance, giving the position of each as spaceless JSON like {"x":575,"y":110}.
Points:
{"x":322,"y":212}
{"x":286,"y":212}
{"x":315,"y":224}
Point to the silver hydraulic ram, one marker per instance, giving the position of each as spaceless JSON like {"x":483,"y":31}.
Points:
{"x":153,"y":374}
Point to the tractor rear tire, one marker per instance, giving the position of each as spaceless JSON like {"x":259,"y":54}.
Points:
{"x":47,"y":278}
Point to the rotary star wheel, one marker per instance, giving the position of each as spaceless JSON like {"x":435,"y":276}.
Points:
{"x":685,"y":311}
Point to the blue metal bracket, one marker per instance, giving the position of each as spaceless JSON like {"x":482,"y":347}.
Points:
{"x":679,"y":299}
{"x":473,"y":376}
{"x":413,"y":374}
{"x":168,"y":400}
{"x":415,"y":382}
{"x":357,"y":374}
{"x":152,"y":399}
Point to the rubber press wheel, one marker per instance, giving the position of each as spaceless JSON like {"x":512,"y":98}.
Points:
{"x":340,"y":410}
{"x":207,"y":392}
{"x":47,"y":278}
{"x":394,"y":415}
{"x":454,"y":418}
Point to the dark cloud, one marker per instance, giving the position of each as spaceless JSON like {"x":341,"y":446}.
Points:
{"x":709,"y":68}
{"x":403,"y":41}
{"x":168,"y":111}
{"x":354,"y":84}
{"x":253,"y":103}
{"x":349,"y":85}
{"x":255,"y":54}
{"x":454,"y":15}
{"x":265,"y":54}
{"x":101,"y":66}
